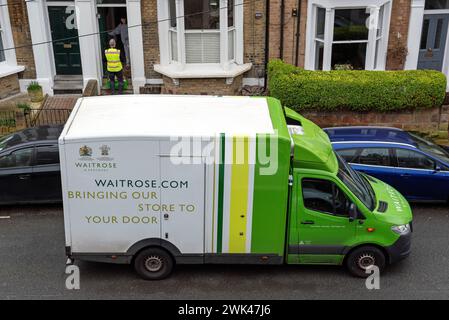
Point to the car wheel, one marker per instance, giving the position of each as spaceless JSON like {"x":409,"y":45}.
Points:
{"x":153,"y":264}
{"x":361,"y":259}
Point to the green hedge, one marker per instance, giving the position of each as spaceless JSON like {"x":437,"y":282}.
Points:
{"x":355,"y":90}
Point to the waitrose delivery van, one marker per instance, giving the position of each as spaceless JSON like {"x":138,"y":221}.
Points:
{"x":156,"y":180}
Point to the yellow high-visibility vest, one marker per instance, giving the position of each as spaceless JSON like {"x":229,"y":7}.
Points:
{"x":113,"y":58}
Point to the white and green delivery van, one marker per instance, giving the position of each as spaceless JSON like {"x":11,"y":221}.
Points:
{"x":155,"y":181}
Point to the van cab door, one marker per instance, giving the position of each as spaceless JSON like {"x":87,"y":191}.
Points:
{"x":324,"y":228}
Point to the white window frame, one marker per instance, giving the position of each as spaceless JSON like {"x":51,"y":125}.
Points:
{"x":165,"y":29}
{"x":7,"y":37}
{"x":330,"y":6}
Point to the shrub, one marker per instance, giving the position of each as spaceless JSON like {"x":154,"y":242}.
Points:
{"x":356,"y":90}
{"x":34,"y":86}
{"x":24,"y":106}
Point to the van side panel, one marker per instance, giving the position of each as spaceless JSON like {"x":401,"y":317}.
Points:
{"x":112,"y":194}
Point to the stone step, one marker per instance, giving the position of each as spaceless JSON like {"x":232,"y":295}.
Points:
{"x":78,"y":92}
{"x":68,"y":84}
{"x":64,"y":77}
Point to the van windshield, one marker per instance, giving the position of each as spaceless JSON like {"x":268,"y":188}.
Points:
{"x":356,"y":183}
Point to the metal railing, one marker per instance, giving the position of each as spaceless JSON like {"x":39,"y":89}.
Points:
{"x":7,"y":122}
{"x":14,"y":120}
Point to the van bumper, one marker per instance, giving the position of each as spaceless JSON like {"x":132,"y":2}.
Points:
{"x":400,"y":249}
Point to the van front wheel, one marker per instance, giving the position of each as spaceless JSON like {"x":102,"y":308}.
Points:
{"x":362,"y":259}
{"x":153,"y":264}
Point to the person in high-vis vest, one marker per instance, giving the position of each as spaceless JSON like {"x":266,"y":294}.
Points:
{"x":114,"y":66}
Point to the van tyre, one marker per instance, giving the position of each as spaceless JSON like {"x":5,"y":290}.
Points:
{"x":153,"y":264}
{"x":360,"y":259}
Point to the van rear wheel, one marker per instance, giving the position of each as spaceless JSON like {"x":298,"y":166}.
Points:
{"x":362,"y":259}
{"x":153,"y":264}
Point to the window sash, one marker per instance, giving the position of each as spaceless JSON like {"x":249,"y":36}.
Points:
{"x":202,"y":46}
{"x":173,"y":34}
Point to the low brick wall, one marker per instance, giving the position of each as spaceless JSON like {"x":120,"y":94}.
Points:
{"x":203,"y":86}
{"x":91,"y":89}
{"x":9,"y":86}
{"x":432,"y":122}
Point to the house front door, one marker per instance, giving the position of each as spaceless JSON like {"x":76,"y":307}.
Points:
{"x":433,"y":41}
{"x":64,"y":34}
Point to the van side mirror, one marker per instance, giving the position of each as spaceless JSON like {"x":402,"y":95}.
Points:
{"x":437,"y":168}
{"x":353,"y":212}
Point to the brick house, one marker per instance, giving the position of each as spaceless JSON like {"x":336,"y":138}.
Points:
{"x":221,"y":49}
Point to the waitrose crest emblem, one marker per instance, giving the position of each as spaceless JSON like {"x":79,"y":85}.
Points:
{"x":85,"y":151}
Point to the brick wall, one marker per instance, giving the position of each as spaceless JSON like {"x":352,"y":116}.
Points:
{"x":397,"y":41}
{"x":254,"y":37}
{"x":9,"y":85}
{"x":150,"y":37}
{"x":289,"y":45}
{"x":22,"y":38}
{"x":428,"y":121}
{"x":202,"y":86}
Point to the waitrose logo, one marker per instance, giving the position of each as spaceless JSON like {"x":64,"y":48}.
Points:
{"x":96,"y":165}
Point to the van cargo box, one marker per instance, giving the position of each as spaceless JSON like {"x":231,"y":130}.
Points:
{"x":189,"y":173}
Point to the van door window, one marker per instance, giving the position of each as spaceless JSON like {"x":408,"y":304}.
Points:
{"x":414,"y":160}
{"x":324,"y":196}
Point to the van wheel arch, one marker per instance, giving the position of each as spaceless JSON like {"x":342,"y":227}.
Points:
{"x":167,"y":246}
{"x":387,"y":256}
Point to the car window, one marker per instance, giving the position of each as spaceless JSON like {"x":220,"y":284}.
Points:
{"x":19,"y":158}
{"x":324,"y":196}
{"x":350,"y":155}
{"x":374,"y":156}
{"x":412,"y":159}
{"x":47,"y":155}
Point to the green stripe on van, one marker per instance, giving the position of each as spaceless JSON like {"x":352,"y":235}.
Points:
{"x":270,"y":203}
{"x":220,"y":194}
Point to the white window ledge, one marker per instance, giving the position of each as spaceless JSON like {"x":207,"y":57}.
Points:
{"x":7,"y":70}
{"x":202,"y":70}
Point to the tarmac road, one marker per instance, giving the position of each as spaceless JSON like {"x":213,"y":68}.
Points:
{"x":32,"y":266}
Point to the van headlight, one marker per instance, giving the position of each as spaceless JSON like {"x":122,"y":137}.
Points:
{"x":402,"y":229}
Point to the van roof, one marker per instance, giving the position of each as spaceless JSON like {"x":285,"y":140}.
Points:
{"x":167,"y":115}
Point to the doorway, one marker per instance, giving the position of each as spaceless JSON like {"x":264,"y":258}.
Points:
{"x":64,"y":34}
{"x":109,"y":17}
{"x":433,"y":41}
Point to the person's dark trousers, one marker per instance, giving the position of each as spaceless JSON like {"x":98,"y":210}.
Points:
{"x":119,"y":76}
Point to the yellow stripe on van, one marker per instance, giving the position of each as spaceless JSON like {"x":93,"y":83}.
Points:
{"x":239,"y":195}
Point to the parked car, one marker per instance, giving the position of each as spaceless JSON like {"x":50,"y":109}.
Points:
{"x":29,"y":166}
{"x":418,"y":168}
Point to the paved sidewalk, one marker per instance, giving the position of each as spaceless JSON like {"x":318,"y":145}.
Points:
{"x":61,"y":102}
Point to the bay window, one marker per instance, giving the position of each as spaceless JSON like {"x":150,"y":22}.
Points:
{"x":348,"y":34}
{"x":201,"y":35}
